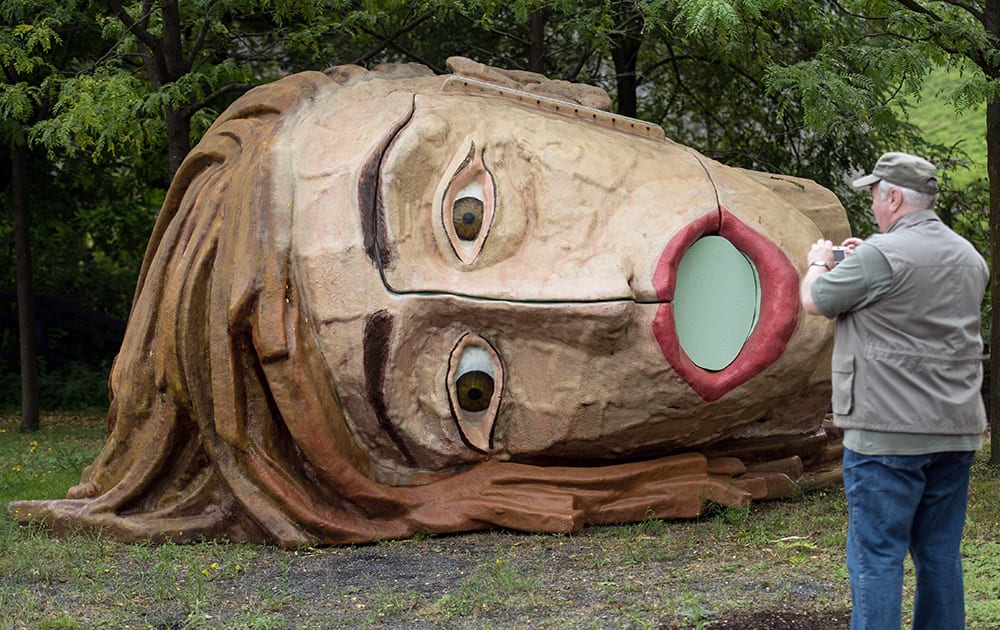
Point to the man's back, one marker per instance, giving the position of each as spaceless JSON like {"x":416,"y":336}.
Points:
{"x":916,"y":350}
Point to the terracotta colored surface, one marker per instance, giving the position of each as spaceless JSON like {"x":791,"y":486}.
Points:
{"x":385,"y":302}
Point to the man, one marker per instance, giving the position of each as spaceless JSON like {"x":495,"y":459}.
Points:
{"x":906,"y":390}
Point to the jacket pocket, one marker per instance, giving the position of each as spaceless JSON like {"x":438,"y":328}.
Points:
{"x":843,"y":384}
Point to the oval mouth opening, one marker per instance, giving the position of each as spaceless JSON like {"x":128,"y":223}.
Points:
{"x":754,"y":325}
{"x":716,"y":302}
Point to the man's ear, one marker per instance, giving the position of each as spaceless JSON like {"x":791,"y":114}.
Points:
{"x":895,"y":199}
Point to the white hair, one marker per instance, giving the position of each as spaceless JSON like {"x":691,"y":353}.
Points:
{"x":912,"y":198}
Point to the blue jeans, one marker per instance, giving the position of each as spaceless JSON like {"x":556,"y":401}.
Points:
{"x":898,"y":503}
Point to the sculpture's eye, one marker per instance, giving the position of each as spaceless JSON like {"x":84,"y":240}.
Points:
{"x":467,"y":212}
{"x":468,"y":206}
{"x":475,"y":382}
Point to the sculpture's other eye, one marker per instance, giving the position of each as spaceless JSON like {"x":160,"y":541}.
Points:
{"x":468,"y":206}
{"x":474,"y":390}
{"x":475,"y":383}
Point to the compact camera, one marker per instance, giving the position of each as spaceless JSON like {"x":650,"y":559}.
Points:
{"x":838,"y":253}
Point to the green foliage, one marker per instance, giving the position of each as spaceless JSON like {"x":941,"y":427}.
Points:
{"x":725,"y":19}
{"x":26,"y":41}
{"x":101,"y":114}
{"x":871,"y":81}
{"x":74,"y":387}
{"x":23,"y":46}
{"x":973,"y":91}
{"x":30,"y":32}
{"x":17,"y":101}
{"x":947,"y":120}
{"x":786,"y":92}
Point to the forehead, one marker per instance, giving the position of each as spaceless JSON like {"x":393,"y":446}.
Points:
{"x":539,"y":103}
{"x":569,"y":194}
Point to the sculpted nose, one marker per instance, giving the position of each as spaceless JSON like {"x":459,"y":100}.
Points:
{"x":728,"y":303}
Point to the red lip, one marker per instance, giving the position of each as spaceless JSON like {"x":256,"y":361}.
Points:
{"x":779,"y":305}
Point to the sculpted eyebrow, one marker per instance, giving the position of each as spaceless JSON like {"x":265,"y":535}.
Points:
{"x":370,"y":201}
{"x":372,"y":211}
{"x":378,"y":331}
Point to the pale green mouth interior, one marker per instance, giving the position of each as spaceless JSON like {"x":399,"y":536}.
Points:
{"x":716,"y":302}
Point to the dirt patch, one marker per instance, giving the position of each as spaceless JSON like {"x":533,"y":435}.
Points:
{"x":768,"y":620}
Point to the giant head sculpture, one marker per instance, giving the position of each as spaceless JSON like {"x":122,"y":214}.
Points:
{"x":384,"y":302}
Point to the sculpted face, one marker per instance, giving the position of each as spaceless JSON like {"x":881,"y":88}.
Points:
{"x":533,"y":311}
{"x":519,"y":279}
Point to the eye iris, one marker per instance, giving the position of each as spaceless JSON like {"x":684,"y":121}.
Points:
{"x":467,"y":215}
{"x":475,"y":390}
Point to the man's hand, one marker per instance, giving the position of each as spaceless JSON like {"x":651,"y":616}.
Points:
{"x":819,"y":260}
{"x":821,"y":254}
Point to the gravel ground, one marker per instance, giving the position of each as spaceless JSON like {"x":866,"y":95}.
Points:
{"x":600,"y":578}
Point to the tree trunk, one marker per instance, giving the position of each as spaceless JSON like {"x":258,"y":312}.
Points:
{"x":993,"y":171}
{"x":25,"y":295}
{"x":164,"y":61}
{"x":174,"y":66}
{"x":539,"y":17}
{"x":991,"y":22}
{"x":625,"y":52}
{"x":178,"y":138}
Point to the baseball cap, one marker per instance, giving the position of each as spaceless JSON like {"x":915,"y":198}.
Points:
{"x":904,"y":170}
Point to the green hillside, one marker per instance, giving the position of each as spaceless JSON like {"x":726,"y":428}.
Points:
{"x":937,"y":117}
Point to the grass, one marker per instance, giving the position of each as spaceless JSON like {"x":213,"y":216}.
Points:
{"x":942,"y":124}
{"x":45,"y":464}
{"x":786,"y":555}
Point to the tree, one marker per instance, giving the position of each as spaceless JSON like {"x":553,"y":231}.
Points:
{"x":30,"y":41}
{"x":903,"y":41}
{"x":27,"y":345}
{"x":66,"y":92}
{"x":172,"y":65}
{"x":170,"y":50}
{"x":705,"y":76}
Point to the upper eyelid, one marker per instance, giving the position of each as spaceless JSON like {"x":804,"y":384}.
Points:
{"x":468,"y":159}
{"x":472,"y":168}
